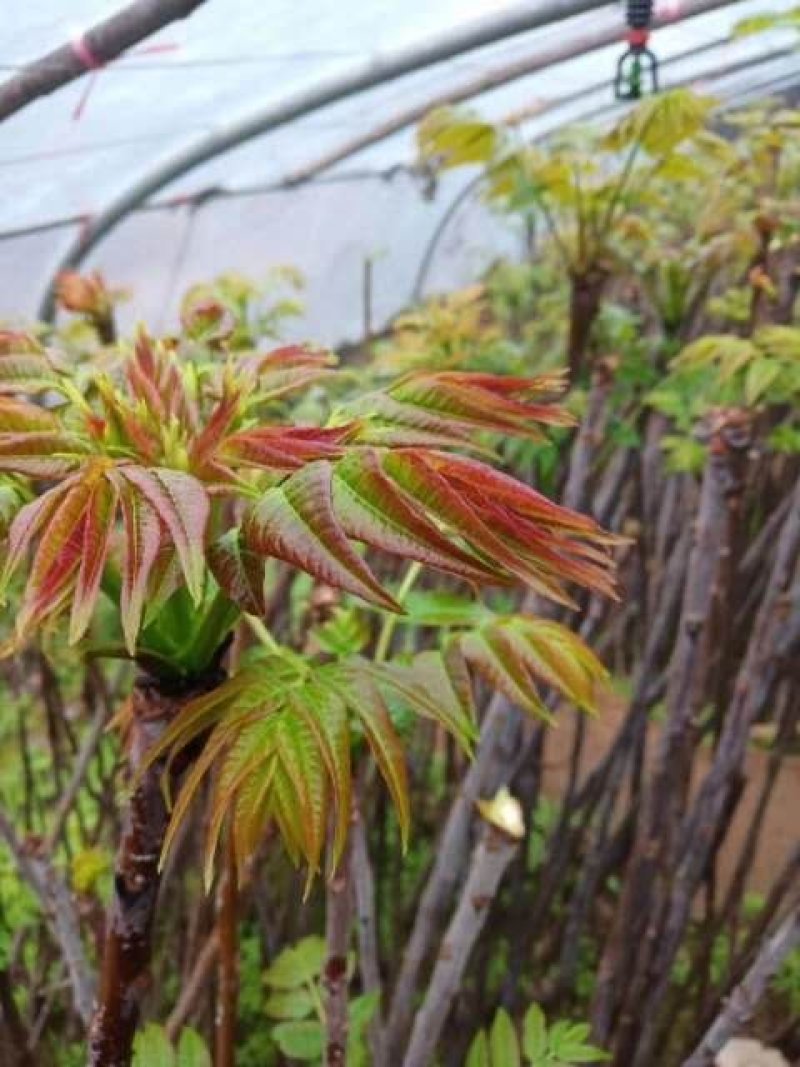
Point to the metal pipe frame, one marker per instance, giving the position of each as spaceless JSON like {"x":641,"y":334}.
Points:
{"x":368,"y":74}
{"x":364,"y":76}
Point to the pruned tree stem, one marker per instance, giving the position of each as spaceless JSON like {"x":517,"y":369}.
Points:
{"x":338,"y":928}
{"x":126,"y":957}
{"x":228,"y":960}
{"x":490,"y":860}
{"x":366,"y":922}
{"x":586,"y":292}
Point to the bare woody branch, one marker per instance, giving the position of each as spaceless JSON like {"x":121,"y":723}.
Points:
{"x":59,"y":912}
{"x":490,"y":861}
{"x":744,"y":999}
{"x":105,"y":42}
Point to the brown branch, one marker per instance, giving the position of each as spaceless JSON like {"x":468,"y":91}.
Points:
{"x":228,"y":956}
{"x":69,"y":796}
{"x":366,"y":920}
{"x":103,"y":43}
{"x":194,"y":986}
{"x":128,"y":944}
{"x":338,"y":927}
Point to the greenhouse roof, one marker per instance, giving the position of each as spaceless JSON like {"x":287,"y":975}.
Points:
{"x":148,"y":147}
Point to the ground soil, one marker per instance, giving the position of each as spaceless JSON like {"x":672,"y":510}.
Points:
{"x":780,"y":833}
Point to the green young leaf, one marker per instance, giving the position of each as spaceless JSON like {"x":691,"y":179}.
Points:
{"x":568,"y":1044}
{"x":534,"y":1035}
{"x":300,"y":1040}
{"x":451,"y":137}
{"x":192,"y":1050}
{"x":503,"y":1043}
{"x":362,"y":1011}
{"x":296,"y":1003}
{"x":297,"y":965}
{"x":478,"y":1055}
{"x":152,"y":1048}
{"x":439,"y":607}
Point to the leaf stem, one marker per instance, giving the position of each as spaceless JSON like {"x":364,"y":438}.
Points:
{"x":262,"y":633}
{"x":390,"y":622}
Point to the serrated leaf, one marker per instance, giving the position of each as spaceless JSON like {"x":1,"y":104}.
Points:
{"x":329,"y":724}
{"x":58,"y":554}
{"x":181,"y":503}
{"x":372,"y":510}
{"x":292,"y":367}
{"x":437,"y":687}
{"x":239,"y":572}
{"x":284,"y":448}
{"x":30,"y":520}
{"x":17,"y":416}
{"x":296,"y":522}
{"x":97,"y":530}
{"x":493,"y":655}
{"x":27,"y":372}
{"x":140,"y":551}
{"x":385,"y":747}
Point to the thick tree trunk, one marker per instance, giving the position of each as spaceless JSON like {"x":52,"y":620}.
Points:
{"x":124,"y":978}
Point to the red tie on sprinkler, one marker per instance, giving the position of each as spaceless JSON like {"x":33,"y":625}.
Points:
{"x":637,"y":69}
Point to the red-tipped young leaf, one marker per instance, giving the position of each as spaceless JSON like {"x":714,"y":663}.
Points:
{"x":141,"y":544}
{"x":372,"y":509}
{"x":296,"y":522}
{"x":284,"y":448}
{"x":97,"y":529}
{"x":239,"y":572}
{"x":58,"y":555}
{"x":182,"y":504}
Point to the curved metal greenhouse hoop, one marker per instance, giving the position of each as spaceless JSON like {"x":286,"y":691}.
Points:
{"x":369,"y":74}
{"x":362,"y":76}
